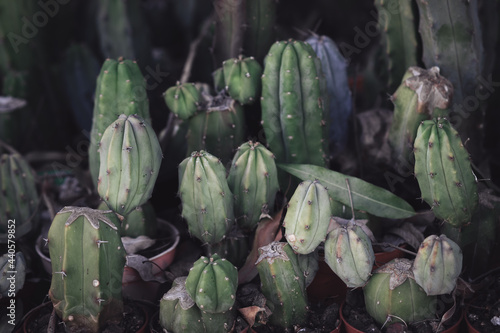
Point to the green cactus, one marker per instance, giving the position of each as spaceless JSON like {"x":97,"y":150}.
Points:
{"x":242,"y":78}
{"x":437,"y":265}
{"x":130,"y":156}
{"x":218,"y":322}
{"x":234,"y":247}
{"x":183,"y":99}
{"x":294,"y":104}
{"x":141,"y":221}
{"x":349,"y":253}
{"x":309,"y":264}
{"x":259,"y":32}
{"x":422,"y":95}
{"x":207,"y":201}
{"x":392,"y":294}
{"x":444,"y":173}
{"x":253,"y":179}
{"x":212,"y":284}
{"x":18,"y":197}
{"x":88,"y":259}
{"x":283,"y":284}
{"x":120,"y":89}
{"x":307,"y":217}
{"x":229,"y":23}
{"x":11,"y":283}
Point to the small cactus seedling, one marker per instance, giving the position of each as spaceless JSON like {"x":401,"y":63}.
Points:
{"x":130,"y":156}
{"x":212,"y":284}
{"x":437,"y":265}
{"x":11,"y":283}
{"x":88,"y":259}
{"x":242,"y":79}
{"x":183,"y":100}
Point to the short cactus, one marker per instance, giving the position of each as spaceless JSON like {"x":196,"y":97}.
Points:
{"x":88,"y":259}
{"x":130,"y":156}
{"x":253,"y":179}
{"x":242,"y":78}
{"x":212,"y":284}
{"x":307,"y":217}
{"x":437,"y":265}
{"x":11,"y":283}
{"x":183,"y":99}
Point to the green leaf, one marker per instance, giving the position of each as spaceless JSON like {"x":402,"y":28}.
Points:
{"x":365,"y":196}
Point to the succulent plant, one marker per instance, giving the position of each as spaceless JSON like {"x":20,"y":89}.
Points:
{"x":234,"y":247}
{"x":88,"y":259}
{"x":253,"y":179}
{"x":309,"y":265}
{"x":307,"y":217}
{"x":437,"y":265}
{"x":130,"y":156}
{"x":259,"y":32}
{"x":212,"y":284}
{"x":392,"y":294}
{"x":141,"y":221}
{"x":242,"y":79}
{"x":11,"y":283}
{"x":229,"y":27}
{"x":18,"y":197}
{"x":283,"y":284}
{"x":444,"y":173}
{"x":183,"y":99}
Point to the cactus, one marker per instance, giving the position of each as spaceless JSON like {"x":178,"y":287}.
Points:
{"x":307,"y":217}
{"x":349,"y":253}
{"x":141,"y":221}
{"x":120,"y":89}
{"x":212,"y":284}
{"x":259,"y":28}
{"x":18,"y":197}
{"x":253,"y":179}
{"x":444,"y":173}
{"x":218,"y":322}
{"x":12,"y":273}
{"x":183,"y":99}
{"x":340,"y":101}
{"x":229,"y":22}
{"x":309,"y":264}
{"x":234,"y":247}
{"x":88,"y":259}
{"x":294,"y":104}
{"x":283,"y":284}
{"x":422,"y":95}
{"x":242,"y":78}
{"x":437,"y":265}
{"x":392,"y":294}
{"x":130,"y":156}
{"x":207,"y":201}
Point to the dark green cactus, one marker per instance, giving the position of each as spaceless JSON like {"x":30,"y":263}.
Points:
{"x":422,"y":95}
{"x":229,"y":23}
{"x":392,"y":294}
{"x":88,"y":259}
{"x":120,"y":89}
{"x":212,"y":284}
{"x":130,"y":156}
{"x":141,"y":221}
{"x":259,"y":31}
{"x":11,"y":283}
{"x":253,"y":179}
{"x":183,"y":100}
{"x":242,"y":78}
{"x":283,"y":284}
{"x":207,"y":201}
{"x":307,"y":217}
{"x":444,"y":173}
{"x":234,"y":247}
{"x":309,"y":264}
{"x":18,"y":196}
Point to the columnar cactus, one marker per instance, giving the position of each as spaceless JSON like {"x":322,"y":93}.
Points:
{"x":349,"y":253}
{"x":307,"y":217}
{"x":212,"y":284}
{"x":229,"y":23}
{"x":207,"y":201}
{"x":392,"y":293}
{"x":183,"y":99}
{"x":444,"y":172}
{"x":130,"y":158}
{"x":295,"y":104}
{"x":253,"y":179}
{"x":120,"y":89}
{"x":242,"y":78}
{"x":234,"y":247}
{"x":11,"y":283}
{"x":283,"y":284}
{"x":18,"y":196}
{"x":437,"y":265}
{"x":141,"y":221}
{"x":423,"y":95}
{"x":259,"y":28}
{"x":87,"y":267}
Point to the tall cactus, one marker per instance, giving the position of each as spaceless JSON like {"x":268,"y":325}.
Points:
{"x":229,"y":23}
{"x":259,"y":27}
{"x":87,"y":267}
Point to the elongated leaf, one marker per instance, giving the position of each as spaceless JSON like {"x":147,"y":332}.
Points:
{"x":365,"y":196}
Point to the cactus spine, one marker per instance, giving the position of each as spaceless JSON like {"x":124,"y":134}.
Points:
{"x":444,"y":173}
{"x":87,"y":267}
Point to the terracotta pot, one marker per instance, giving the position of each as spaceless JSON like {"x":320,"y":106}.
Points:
{"x":382,"y":258}
{"x":470,"y":328}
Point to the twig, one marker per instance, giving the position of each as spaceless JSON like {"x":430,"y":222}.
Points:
{"x":8,"y":147}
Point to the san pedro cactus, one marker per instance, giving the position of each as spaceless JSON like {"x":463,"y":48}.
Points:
{"x":18,"y":197}
{"x":229,"y":23}
{"x":87,"y":267}
{"x":212,"y":284}
{"x":207,"y":201}
{"x":259,"y":27}
{"x":392,"y":294}
{"x":253,"y":179}
{"x":283,"y":284}
{"x":11,"y":283}
{"x":120,"y":89}
{"x":444,"y":172}
{"x":242,"y":78}
{"x":130,"y":158}
{"x":437,"y":265}
{"x":183,"y":100}
{"x":307,"y":217}
{"x":295,"y":104}
{"x":340,"y":100}
{"x":349,"y":253}
{"x":141,"y":221}
{"x":423,"y":95}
